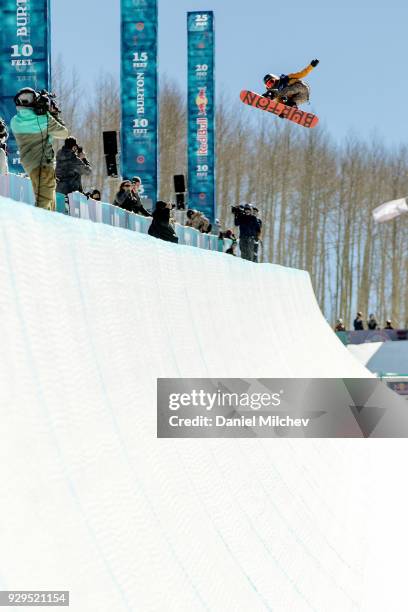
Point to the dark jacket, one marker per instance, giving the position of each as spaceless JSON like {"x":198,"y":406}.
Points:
{"x":128,"y":201}
{"x":139,"y":208}
{"x":70,"y":170}
{"x":259,"y":222}
{"x":160,"y":226}
{"x":358,"y":324}
{"x":248,"y":225}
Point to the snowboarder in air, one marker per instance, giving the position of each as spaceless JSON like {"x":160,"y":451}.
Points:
{"x":289,"y":88}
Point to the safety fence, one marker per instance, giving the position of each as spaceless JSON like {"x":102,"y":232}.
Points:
{"x":375,"y":335}
{"x":78,"y":205}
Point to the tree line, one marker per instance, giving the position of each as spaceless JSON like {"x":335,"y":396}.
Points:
{"x":315,"y":196}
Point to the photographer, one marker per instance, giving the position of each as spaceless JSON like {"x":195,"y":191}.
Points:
{"x":125,"y":198}
{"x":139,"y":208}
{"x":248,"y":230}
{"x":72,"y":165}
{"x":95,"y":194}
{"x":3,"y":147}
{"x":34,"y":127}
{"x":161,"y":227}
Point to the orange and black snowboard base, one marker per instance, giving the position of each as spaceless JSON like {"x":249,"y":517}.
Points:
{"x":296,"y":115}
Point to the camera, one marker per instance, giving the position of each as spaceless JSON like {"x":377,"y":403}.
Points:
{"x":237,"y":209}
{"x":81,"y":154}
{"x":45,"y":102}
{"x":41,"y":102}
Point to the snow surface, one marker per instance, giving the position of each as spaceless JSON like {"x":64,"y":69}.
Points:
{"x":92,"y":502}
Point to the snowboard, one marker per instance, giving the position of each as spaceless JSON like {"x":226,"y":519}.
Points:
{"x":308,"y":120}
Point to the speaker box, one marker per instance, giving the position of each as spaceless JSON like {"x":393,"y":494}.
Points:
{"x":110,"y":143}
{"x":111,"y":165}
{"x":179,"y":183}
{"x":181,"y":201}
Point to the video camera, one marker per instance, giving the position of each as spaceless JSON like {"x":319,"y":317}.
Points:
{"x":42,"y":102}
{"x":46,"y":103}
{"x":237,"y":209}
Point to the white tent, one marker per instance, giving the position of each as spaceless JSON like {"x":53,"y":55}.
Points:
{"x":390,"y":210}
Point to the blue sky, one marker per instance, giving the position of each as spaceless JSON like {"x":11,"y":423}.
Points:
{"x":359,"y":87}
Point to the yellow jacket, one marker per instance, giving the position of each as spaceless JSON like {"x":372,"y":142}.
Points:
{"x":295,"y":76}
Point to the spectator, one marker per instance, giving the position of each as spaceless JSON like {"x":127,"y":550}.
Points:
{"x":35,"y":126}
{"x":340,"y":327}
{"x":388,"y":324}
{"x":358,"y":322}
{"x":72,"y":165}
{"x":95,"y":194}
{"x":372,"y":322}
{"x":196,"y":219}
{"x":125,"y":198}
{"x":248,"y":230}
{"x":190,"y":217}
{"x":136,"y":185}
{"x":139,"y":208}
{"x":228,"y":234}
{"x":258,"y":240}
{"x":161,"y":227}
{"x":232,"y":249}
{"x":3,"y":147}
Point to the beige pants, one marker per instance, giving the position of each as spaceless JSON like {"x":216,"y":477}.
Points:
{"x":44,"y":185}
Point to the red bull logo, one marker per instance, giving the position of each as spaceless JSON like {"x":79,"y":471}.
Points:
{"x":202,"y":101}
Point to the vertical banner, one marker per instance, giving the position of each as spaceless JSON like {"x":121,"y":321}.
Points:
{"x":139,"y":94}
{"x":24,"y":57}
{"x":201,"y":113}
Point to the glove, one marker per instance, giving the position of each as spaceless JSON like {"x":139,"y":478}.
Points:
{"x":314,"y":63}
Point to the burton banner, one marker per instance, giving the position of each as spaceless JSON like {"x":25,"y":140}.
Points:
{"x":139,"y":93}
{"x":24,"y":57}
{"x":201,"y":124}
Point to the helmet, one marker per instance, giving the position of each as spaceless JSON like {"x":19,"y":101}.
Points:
{"x":270,"y":77}
{"x":25,"y":97}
